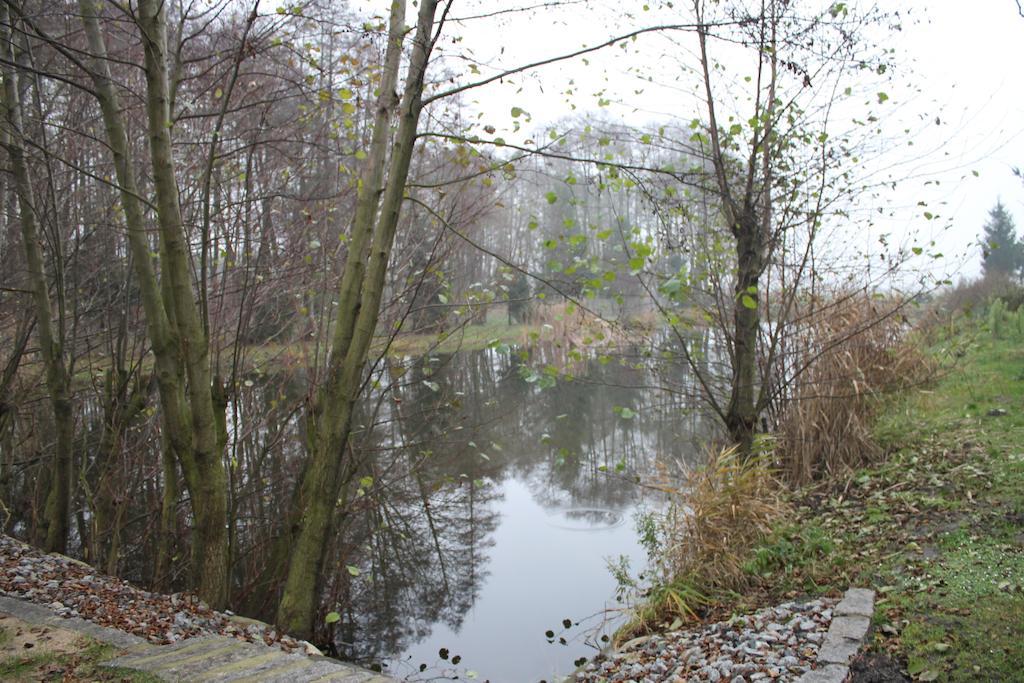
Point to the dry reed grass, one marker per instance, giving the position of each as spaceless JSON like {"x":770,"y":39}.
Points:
{"x":853,"y":353}
{"x":845,"y":357}
{"x":719,"y":513}
{"x":725,"y":508}
{"x":575,"y":327}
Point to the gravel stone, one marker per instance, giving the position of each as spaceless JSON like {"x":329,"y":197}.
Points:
{"x":72,"y":589}
{"x":777,"y":643}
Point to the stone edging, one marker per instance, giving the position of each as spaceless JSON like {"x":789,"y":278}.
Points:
{"x":850,"y":621}
{"x":202,"y":658}
{"x":44,"y":616}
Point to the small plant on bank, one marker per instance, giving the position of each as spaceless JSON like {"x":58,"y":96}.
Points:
{"x":788,"y":548}
{"x":1005,"y":322}
{"x":997,"y":318}
{"x":699,"y":548}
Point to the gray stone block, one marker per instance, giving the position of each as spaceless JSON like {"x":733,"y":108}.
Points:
{"x":280,"y":671}
{"x":254,"y":664}
{"x":195,"y":667}
{"x":856,"y":602}
{"x":148,"y":657}
{"x":853,"y":627}
{"x":833,"y":673}
{"x":837,"y":650}
{"x":328,"y":670}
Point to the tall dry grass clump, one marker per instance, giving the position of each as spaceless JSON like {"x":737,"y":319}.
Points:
{"x":725,"y":508}
{"x":845,"y":357}
{"x":699,"y":548}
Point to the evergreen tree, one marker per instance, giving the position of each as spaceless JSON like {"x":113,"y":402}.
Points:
{"x":1002,"y":250}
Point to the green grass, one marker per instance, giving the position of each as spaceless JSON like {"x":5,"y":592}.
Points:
{"x":936,"y":527}
{"x":85,"y":664}
{"x":466,"y":338}
{"x":789,"y":549}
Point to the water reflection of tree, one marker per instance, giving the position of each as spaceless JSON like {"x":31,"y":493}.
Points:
{"x":597,"y":431}
{"x":422,"y":537}
{"x":460,"y":423}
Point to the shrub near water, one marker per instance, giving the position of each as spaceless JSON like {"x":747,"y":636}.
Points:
{"x":699,"y":548}
{"x":724,"y":534}
{"x":852,"y":353}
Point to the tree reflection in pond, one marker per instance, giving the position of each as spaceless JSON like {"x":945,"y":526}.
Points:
{"x":491,"y":476}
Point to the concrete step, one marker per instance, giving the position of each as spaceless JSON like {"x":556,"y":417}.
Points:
{"x":220,"y":658}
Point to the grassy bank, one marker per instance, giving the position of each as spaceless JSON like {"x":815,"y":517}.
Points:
{"x":937,"y":529}
{"x":30,"y":652}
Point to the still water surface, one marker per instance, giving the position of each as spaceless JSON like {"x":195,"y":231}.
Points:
{"x":486,"y":493}
{"x":524,"y":493}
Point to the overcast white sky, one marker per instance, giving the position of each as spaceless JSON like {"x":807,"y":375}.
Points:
{"x":966,"y":64}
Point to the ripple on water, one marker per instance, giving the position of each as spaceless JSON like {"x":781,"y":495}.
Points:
{"x":586,"y":519}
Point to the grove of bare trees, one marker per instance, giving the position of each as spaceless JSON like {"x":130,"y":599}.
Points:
{"x":221,"y":221}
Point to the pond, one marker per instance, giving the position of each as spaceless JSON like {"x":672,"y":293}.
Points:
{"x":511,"y":499}
{"x":488,"y":491}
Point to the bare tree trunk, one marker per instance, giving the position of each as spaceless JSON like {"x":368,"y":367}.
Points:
{"x":50,"y":344}
{"x":741,"y":411}
{"x":204,"y":470}
{"x":745,"y":201}
{"x":168,"y":519}
{"x":377,"y":211}
{"x":172,"y":317}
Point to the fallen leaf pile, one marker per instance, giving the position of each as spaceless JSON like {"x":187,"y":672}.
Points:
{"x":74,"y":589}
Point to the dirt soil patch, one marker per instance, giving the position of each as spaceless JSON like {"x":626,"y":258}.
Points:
{"x":19,"y":638}
{"x":876,"y":668}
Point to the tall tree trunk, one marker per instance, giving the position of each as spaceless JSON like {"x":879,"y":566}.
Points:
{"x":204,"y":470}
{"x":50,"y":344}
{"x":741,"y":412}
{"x":745,"y":201}
{"x":172,"y":317}
{"x":377,"y":211}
